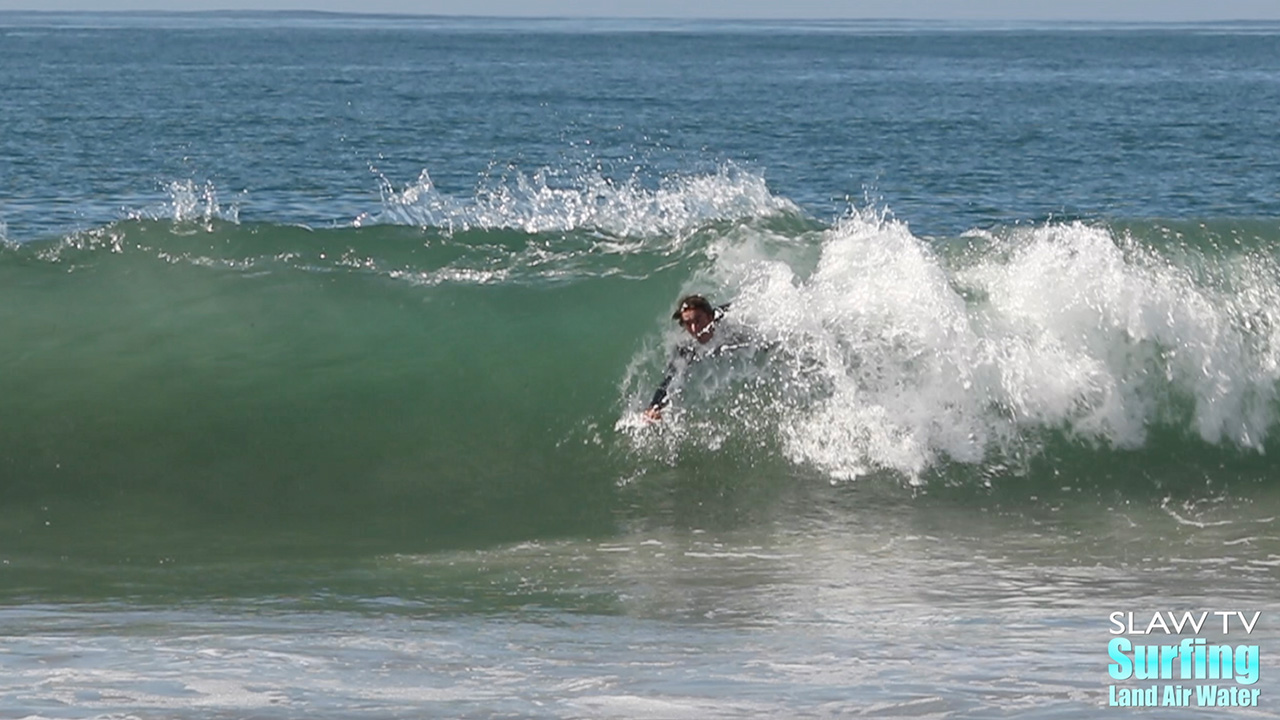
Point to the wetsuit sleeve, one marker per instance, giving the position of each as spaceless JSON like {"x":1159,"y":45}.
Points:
{"x":683,"y":356}
{"x":660,"y":395}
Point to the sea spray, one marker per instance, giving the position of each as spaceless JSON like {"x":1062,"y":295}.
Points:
{"x":546,"y":201}
{"x":904,"y":353}
{"x":191,"y":206}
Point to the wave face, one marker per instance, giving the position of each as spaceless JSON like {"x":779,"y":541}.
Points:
{"x":460,"y":370}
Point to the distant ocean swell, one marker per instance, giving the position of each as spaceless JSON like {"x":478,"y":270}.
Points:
{"x":455,"y":358}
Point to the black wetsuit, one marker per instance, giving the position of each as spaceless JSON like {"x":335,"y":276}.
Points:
{"x":688,"y":353}
{"x":660,"y":399}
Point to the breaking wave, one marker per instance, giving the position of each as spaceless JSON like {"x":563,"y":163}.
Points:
{"x":903,"y":353}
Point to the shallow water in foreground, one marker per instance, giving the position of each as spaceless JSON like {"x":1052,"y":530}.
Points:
{"x":851,"y":605}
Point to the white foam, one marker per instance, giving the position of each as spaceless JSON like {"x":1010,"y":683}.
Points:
{"x":1096,"y":331}
{"x":898,"y":358}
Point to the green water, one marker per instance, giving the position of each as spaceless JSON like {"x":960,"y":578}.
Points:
{"x":322,"y":340}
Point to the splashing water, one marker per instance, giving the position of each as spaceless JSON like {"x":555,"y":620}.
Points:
{"x":546,"y":202}
{"x":900,"y":353}
{"x":190,"y":205}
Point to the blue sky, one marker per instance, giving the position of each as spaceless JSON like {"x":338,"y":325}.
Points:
{"x":1140,"y":10}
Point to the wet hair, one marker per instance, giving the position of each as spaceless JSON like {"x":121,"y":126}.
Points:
{"x":696,"y":302}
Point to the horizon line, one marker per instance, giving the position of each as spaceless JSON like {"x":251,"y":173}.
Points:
{"x":669,"y":18}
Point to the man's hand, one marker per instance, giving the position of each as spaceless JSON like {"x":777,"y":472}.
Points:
{"x":653,"y":414}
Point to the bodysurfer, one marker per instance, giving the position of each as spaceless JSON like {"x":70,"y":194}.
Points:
{"x":700,"y":319}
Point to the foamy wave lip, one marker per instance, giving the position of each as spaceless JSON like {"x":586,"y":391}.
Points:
{"x":1105,"y":327}
{"x":585,"y":201}
{"x":191,"y":207}
{"x":450,"y":275}
{"x":190,"y":204}
{"x":895,"y":359}
{"x":889,"y":343}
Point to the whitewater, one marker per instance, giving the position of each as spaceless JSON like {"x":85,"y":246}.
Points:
{"x":323,"y":340}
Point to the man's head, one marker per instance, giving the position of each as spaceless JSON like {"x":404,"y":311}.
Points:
{"x":696,"y":315}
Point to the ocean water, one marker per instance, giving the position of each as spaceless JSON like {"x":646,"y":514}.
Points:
{"x":322,"y":339}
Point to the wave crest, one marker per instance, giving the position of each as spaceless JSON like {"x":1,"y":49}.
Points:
{"x":191,"y":206}
{"x":549,"y":201}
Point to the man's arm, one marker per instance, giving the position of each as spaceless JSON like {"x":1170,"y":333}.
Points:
{"x":660,"y":398}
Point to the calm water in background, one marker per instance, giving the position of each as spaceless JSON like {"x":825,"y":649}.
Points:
{"x":320,"y":337}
